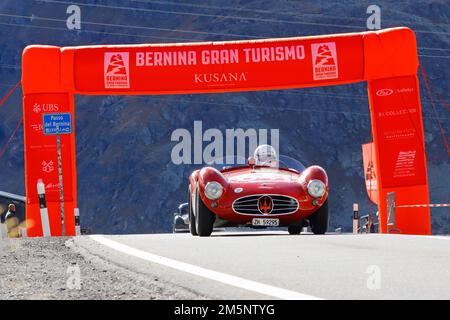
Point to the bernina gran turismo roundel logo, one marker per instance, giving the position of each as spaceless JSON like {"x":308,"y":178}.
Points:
{"x":265,"y":204}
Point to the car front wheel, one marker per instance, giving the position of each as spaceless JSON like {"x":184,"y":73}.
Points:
{"x":294,"y":229}
{"x":204,"y":219}
{"x":192,"y":228}
{"x":319,"y":220}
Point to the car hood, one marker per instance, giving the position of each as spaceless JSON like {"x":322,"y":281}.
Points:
{"x":261,"y":176}
{"x":263,"y":181}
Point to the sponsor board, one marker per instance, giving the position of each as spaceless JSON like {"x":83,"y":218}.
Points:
{"x":233,"y":66}
{"x":400,"y":147}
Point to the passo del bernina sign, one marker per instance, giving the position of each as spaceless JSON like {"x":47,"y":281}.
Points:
{"x":56,"y":123}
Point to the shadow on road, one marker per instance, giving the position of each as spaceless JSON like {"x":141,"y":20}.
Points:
{"x":250,"y":234}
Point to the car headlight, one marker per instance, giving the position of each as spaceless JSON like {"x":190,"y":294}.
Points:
{"x":213,"y":190}
{"x":316,"y":188}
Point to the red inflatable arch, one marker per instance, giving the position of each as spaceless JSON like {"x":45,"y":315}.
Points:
{"x":386,"y":59}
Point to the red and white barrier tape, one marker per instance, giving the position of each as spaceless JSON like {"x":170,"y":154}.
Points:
{"x":437,"y":205}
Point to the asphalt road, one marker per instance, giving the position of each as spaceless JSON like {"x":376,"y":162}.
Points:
{"x":275,"y":265}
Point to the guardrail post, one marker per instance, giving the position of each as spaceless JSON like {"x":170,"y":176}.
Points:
{"x":77,"y":221}
{"x":3,"y":231}
{"x":43,"y":209}
{"x":355,"y":218}
{"x":391,"y":213}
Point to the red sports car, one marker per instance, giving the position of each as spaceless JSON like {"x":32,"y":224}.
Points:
{"x":259,"y":193}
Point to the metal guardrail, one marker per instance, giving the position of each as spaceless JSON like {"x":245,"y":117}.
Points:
{"x":12,"y":196}
{"x":367,"y":226}
{"x":391,"y":206}
{"x":391,"y":227}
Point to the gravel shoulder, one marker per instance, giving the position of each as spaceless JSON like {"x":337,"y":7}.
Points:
{"x":57,"y":268}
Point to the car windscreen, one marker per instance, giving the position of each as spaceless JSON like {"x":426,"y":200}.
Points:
{"x":223,"y":163}
{"x":184,"y":209}
{"x":291,"y":163}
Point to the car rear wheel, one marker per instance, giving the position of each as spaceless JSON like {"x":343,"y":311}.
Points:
{"x":294,"y":229}
{"x":177,"y":224}
{"x":204,"y":219}
{"x":319,"y":220}
{"x":192,"y":228}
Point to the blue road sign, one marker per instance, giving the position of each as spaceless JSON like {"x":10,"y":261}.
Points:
{"x":57,"y":123}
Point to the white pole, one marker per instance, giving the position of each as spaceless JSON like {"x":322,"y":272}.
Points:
{"x":355,"y":218}
{"x":3,"y":231}
{"x":77,"y":221}
{"x":23,"y":232}
{"x":43,"y":209}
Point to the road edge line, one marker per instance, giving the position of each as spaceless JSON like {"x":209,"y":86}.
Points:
{"x":231,"y":280}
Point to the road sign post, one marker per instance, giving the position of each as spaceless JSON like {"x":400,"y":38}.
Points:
{"x":57,"y":124}
{"x":61,"y":191}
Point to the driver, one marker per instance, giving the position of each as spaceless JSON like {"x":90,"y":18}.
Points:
{"x":265,"y":155}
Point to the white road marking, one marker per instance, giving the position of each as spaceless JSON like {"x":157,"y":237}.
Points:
{"x":441,"y":237}
{"x":422,"y":237}
{"x":242,"y":283}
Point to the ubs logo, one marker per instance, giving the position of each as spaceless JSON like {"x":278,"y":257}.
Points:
{"x":45,"y":107}
{"x":384,"y":92}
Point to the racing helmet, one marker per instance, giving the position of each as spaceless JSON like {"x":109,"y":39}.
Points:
{"x":265,"y":155}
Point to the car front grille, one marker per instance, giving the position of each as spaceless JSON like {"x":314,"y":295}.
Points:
{"x":279,"y":205}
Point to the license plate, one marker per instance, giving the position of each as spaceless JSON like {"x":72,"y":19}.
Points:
{"x":265,"y":222}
